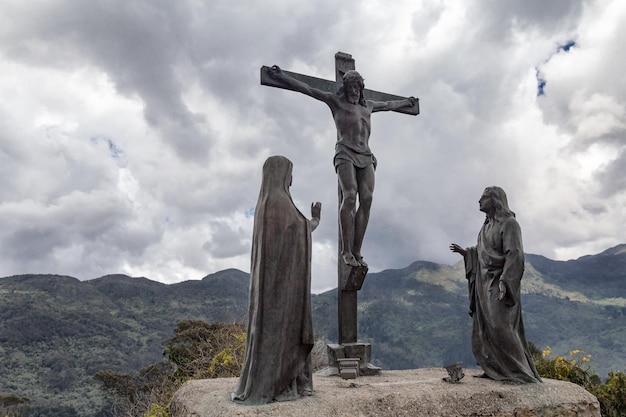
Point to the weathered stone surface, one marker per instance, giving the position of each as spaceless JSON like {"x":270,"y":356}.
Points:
{"x":420,"y":392}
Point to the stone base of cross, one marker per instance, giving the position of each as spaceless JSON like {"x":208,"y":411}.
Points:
{"x":361,"y":351}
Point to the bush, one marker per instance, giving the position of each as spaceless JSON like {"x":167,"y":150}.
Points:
{"x":612,"y":395}
{"x":196,"y":350}
{"x":576,"y":368}
{"x":12,"y":405}
{"x":202,"y":350}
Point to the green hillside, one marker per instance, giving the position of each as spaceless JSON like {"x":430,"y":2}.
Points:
{"x":56,"y":332}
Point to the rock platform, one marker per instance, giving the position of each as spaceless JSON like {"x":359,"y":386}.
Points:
{"x":419,"y":392}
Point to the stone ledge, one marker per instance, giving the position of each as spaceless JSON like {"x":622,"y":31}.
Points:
{"x":420,"y":392}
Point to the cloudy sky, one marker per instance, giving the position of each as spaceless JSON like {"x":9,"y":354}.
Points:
{"x":132,"y":133}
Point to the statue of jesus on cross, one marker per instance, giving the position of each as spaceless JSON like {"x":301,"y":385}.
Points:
{"x":351,"y":106}
{"x":354,"y":161}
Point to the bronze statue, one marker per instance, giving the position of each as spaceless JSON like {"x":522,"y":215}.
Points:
{"x":280,"y":329}
{"x":354,"y":161}
{"x":494,"y":269}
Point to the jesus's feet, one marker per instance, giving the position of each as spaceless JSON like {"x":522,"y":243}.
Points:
{"x":354,"y":260}
{"x":349,"y":259}
{"x":360,"y":260}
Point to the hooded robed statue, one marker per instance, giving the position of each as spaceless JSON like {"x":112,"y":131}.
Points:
{"x":277,"y":365}
{"x":494,"y":269}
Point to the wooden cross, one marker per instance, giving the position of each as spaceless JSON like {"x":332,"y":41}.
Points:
{"x":350,"y":278}
{"x":343,"y":62}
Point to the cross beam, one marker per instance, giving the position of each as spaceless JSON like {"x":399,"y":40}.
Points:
{"x":332,"y":87}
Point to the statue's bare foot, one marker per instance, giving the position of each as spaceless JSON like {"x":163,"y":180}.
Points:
{"x":361,"y":261}
{"x":349,"y":259}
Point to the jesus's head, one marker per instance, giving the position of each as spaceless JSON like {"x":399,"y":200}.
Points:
{"x":352,"y":88}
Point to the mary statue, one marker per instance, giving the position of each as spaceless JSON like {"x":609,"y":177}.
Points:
{"x":494,"y":269}
{"x":280,"y":330}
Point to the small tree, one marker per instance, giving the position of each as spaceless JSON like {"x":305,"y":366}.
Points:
{"x":133,"y":394}
{"x":196,"y":350}
{"x":203,"y":350}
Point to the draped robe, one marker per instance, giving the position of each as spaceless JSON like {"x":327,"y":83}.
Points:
{"x":280,"y":330}
{"x":498,"y":340}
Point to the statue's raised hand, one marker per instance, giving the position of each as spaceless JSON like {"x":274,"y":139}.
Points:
{"x":316,"y":210}
{"x":456,"y":248}
{"x":316,"y":213}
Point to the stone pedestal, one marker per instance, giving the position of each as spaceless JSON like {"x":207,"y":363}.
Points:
{"x":410,"y":393}
{"x":360,"y":350}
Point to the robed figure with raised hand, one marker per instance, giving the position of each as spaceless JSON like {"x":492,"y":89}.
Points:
{"x":494,"y":269}
{"x":280,"y":329}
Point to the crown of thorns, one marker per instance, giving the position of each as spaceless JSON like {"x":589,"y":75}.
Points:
{"x":351,"y":76}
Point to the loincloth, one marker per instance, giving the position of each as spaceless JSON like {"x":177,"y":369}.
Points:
{"x":357,"y":157}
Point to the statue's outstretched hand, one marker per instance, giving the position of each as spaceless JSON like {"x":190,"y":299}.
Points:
{"x":456,"y":248}
{"x":316,"y":210}
{"x":316,"y":213}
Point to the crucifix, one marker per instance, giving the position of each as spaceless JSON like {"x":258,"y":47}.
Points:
{"x":351,"y":106}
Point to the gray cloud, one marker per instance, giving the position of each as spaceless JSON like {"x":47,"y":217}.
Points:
{"x":140,"y":45}
{"x":136,"y":138}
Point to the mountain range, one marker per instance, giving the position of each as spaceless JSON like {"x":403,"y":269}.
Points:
{"x":56,"y":332}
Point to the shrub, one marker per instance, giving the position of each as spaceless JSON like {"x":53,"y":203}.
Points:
{"x":203,"y":350}
{"x":12,"y":405}
{"x":196,"y":350}
{"x":612,"y":395}
{"x":576,"y":368}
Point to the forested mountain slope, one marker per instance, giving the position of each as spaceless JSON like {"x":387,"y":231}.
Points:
{"x":57,"y":331}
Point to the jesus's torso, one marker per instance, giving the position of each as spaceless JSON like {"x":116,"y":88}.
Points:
{"x":353,"y":122}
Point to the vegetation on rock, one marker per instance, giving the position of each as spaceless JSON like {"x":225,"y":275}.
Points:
{"x":197,"y":350}
{"x":576,"y":368}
